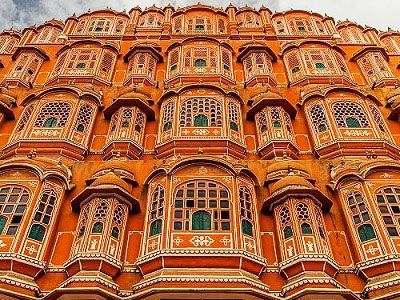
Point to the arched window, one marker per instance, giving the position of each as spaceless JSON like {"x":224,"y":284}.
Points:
{"x":318,"y":118}
{"x":366,"y":232}
{"x":37,"y":232}
{"x":207,"y":107}
{"x":286,"y":222}
{"x":352,"y":122}
{"x":43,"y":214}
{"x":201,"y":220}
{"x":13,"y":202}
{"x":53,"y":114}
{"x":200,"y":63}
{"x":83,"y":219}
{"x":200,"y":121}
{"x":167,"y":116}
{"x":388,"y":200}
{"x":202,"y":205}
{"x":360,"y":216}
{"x":303,"y":215}
{"x":155,"y":227}
{"x":157,"y":210}
{"x":349,"y":114}
{"x":84,"y":118}
{"x":233,"y":114}
{"x":246,"y":210}
{"x":50,"y":122}
{"x":97,"y":227}
{"x":118,"y":220}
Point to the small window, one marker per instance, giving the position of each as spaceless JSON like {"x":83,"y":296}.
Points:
{"x":30,"y":72}
{"x":366,"y":232}
{"x":81,"y":231}
{"x":321,"y":128}
{"x":167,"y":126}
{"x":201,"y":220}
{"x":37,"y":232}
{"x":50,"y":123}
{"x":97,"y":227}
{"x":199,"y":27}
{"x":200,"y":63}
{"x":98,"y":29}
{"x":155,"y":227}
{"x":295,"y":70}
{"x":173,"y":68}
{"x":277,"y":124}
{"x":352,"y":122}
{"x":320,"y":65}
{"x":264,"y":128}
{"x":81,"y":66}
{"x":125,"y":124}
{"x":306,"y":228}
{"x":247,"y":228}
{"x":80,"y":128}
{"x":287,"y":232}
{"x":301,"y":28}
{"x":115,"y":232}
{"x":200,"y":121}
{"x":226,"y":67}
{"x":3,"y":221}
{"x":234,"y":126}
{"x":138,"y":128}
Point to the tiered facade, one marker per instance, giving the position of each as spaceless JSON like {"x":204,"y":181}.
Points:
{"x":199,"y":153}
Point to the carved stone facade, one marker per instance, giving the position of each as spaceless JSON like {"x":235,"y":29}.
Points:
{"x":199,"y":153}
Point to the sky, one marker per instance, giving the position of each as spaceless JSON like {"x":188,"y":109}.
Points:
{"x":380,"y":14}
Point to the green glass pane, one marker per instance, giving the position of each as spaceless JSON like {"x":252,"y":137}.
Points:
{"x":155,"y":227}
{"x":352,"y":123}
{"x":200,"y":121}
{"x":167,"y":126}
{"x":3,"y":221}
{"x":37,"y":232}
{"x":50,"y":122}
{"x":200,"y":63}
{"x":247,"y":228}
{"x":288,"y":232}
{"x":97,"y":227}
{"x":366,"y":232}
{"x":201,"y":220}
{"x":320,"y":65}
{"x":306,"y":228}
{"x":277,"y":124}
{"x":234,"y":126}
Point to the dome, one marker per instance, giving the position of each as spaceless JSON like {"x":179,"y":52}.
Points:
{"x":111,"y":179}
{"x":292,"y":181}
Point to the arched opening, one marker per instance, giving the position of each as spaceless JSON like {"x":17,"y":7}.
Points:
{"x":167,"y":126}
{"x":50,"y":122}
{"x":97,"y":227}
{"x":366,"y":232}
{"x":115,"y":232}
{"x":306,"y":228}
{"x":155,"y":227}
{"x":247,"y":227}
{"x":3,"y":221}
{"x":37,"y":232}
{"x":352,"y":122}
{"x":200,"y":63}
{"x":288,"y":232}
{"x":201,"y":220}
{"x":200,"y":121}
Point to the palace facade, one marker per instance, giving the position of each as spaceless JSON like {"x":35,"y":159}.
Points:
{"x":199,"y":153}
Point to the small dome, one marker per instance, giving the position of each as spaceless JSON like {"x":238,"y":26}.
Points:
{"x":111,"y":179}
{"x":285,"y":166}
{"x":292,"y":181}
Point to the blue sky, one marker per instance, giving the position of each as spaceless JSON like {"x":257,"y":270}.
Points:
{"x":22,"y":13}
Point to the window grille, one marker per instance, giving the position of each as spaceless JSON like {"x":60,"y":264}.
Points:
{"x":360,"y":216}
{"x":248,"y":20}
{"x":84,"y":118}
{"x":378,"y":118}
{"x":157,"y":210}
{"x":199,"y":203}
{"x":177,"y":24}
{"x":58,"y":110}
{"x":233,"y":114}
{"x":43,"y":215}
{"x":83,"y":220}
{"x":346,"y":110}
{"x":246,"y":210}
{"x":151,"y":20}
{"x":13,"y":203}
{"x":388,"y":200}
{"x":168,"y":114}
{"x":118,"y":220}
{"x":294,"y":65}
{"x":208,"y":107}
{"x":286,"y":222}
{"x":303,"y":215}
{"x":318,"y":118}
{"x":47,"y":35}
{"x":221,"y":26}
{"x":262,"y":122}
{"x":7,"y":44}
